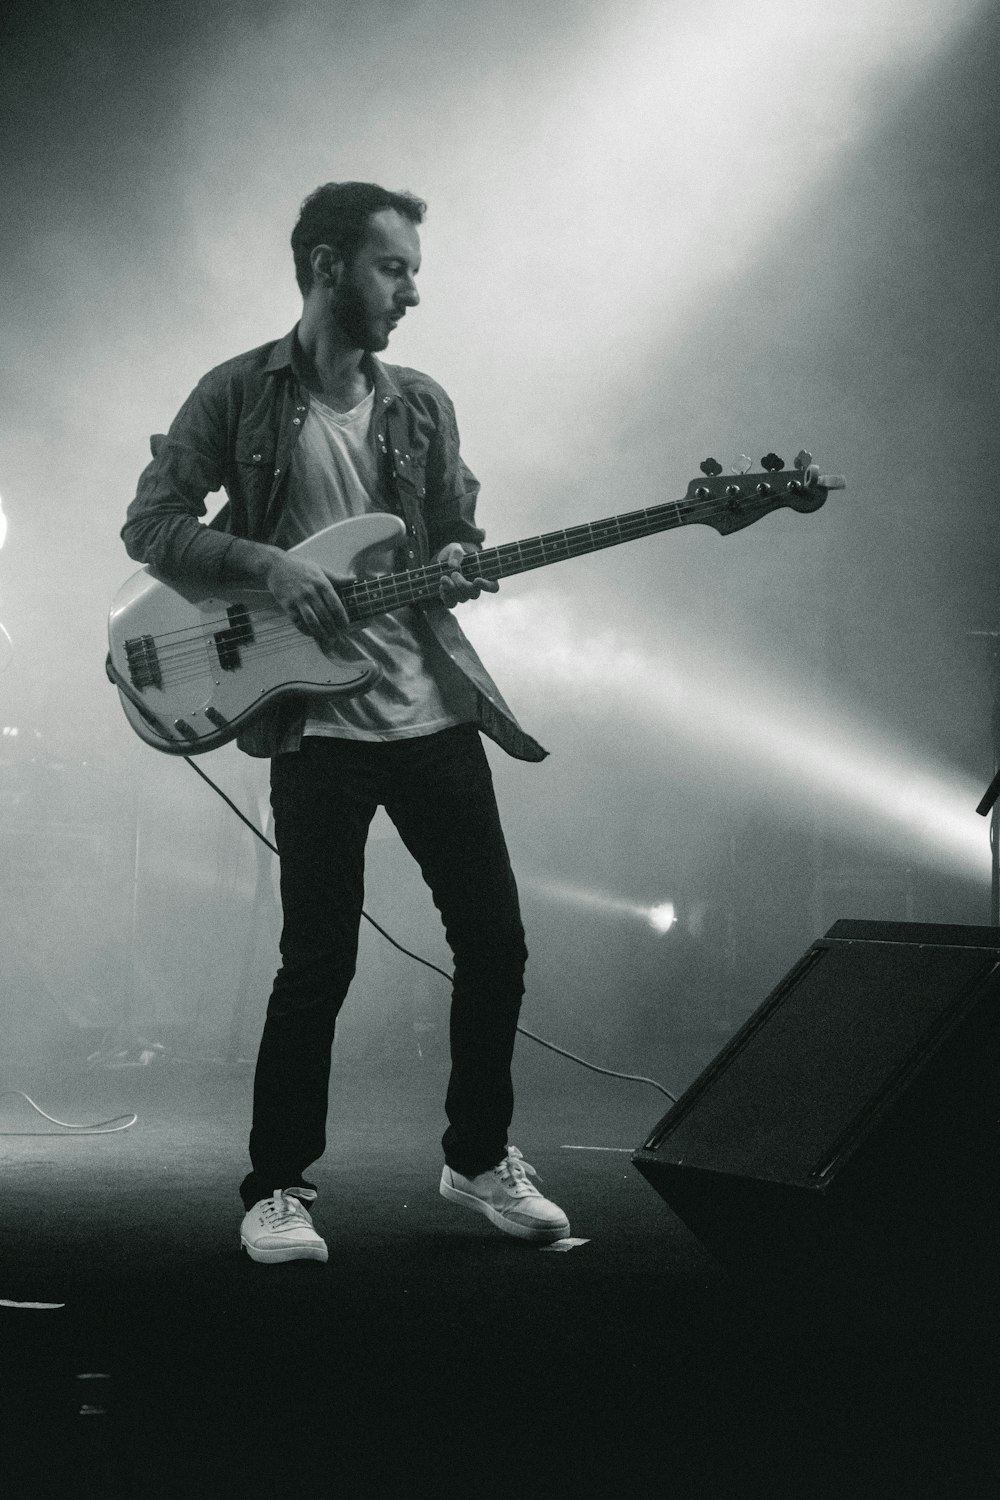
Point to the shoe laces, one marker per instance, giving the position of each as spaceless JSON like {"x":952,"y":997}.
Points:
{"x":287,"y":1207}
{"x":514,"y":1172}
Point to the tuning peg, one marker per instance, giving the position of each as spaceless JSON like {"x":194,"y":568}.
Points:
{"x":711,"y":467}
{"x":743,"y":464}
{"x":803,"y":460}
{"x":772,"y":463}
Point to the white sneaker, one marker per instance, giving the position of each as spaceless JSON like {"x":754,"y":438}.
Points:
{"x":280,"y":1228}
{"x":508,"y":1199}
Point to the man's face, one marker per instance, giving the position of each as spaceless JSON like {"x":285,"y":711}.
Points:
{"x":378,"y":285}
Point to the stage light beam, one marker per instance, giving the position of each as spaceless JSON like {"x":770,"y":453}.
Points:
{"x":660,"y":917}
{"x":755,"y":730}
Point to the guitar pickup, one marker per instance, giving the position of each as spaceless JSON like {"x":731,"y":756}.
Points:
{"x":228,"y":642}
{"x":143,"y":662}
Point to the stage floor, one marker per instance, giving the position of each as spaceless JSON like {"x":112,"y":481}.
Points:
{"x":431,"y":1355}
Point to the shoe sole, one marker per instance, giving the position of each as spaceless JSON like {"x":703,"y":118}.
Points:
{"x":542,"y":1235}
{"x":285,"y":1253}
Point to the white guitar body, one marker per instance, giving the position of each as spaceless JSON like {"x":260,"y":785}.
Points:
{"x":193,"y":666}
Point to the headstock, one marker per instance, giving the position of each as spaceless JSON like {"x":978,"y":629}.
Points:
{"x":729,"y":502}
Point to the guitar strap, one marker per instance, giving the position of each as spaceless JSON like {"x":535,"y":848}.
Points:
{"x":398,"y":439}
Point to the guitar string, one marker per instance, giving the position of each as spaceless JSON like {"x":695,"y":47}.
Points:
{"x":260,"y":654}
{"x":182,"y":661}
{"x":190,"y":643}
{"x":380,"y":587}
{"x":532,"y":551}
{"x":526,"y":550}
{"x":628,"y":527}
{"x":194,"y":662}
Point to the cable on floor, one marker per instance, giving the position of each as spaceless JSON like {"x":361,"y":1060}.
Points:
{"x":100,"y":1127}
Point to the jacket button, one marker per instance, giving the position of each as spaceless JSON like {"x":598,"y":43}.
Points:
{"x":257,"y":457}
{"x":296,"y":421}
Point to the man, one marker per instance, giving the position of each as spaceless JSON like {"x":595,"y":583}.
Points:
{"x":302,"y":433}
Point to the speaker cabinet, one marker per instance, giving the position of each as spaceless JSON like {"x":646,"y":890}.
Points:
{"x":847,"y":1136}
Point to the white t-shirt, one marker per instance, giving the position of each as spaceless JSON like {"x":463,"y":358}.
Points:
{"x":334,"y":475}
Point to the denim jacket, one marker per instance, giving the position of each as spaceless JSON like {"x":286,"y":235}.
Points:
{"x":237,"y":430}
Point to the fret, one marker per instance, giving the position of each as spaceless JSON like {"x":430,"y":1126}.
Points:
{"x":372,"y":596}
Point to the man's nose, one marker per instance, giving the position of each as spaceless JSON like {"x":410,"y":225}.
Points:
{"x":410,"y":294}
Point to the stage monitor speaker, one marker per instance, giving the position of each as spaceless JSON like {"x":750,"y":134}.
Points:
{"x":847,"y":1136}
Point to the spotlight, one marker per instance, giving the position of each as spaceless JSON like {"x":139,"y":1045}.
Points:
{"x":662,"y":917}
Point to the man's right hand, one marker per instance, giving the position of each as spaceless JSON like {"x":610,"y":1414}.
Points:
{"x":307,"y":593}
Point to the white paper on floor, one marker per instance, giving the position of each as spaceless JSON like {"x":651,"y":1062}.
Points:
{"x":4,"y":1302}
{"x":566,"y":1244}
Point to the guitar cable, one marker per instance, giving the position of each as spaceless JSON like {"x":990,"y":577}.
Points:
{"x":551,"y":1046}
{"x":115,"y":677}
{"x":102,"y":1127}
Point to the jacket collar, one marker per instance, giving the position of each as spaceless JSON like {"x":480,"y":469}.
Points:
{"x":281,"y":354}
{"x":386,"y":389}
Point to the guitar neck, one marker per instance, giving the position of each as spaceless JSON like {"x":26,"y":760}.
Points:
{"x":371,"y":596}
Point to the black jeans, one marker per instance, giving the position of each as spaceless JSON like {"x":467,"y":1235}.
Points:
{"x":438,"y":791}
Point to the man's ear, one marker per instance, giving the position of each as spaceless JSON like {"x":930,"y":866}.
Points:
{"x":327,"y":266}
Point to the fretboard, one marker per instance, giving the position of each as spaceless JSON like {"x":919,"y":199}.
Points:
{"x":372,"y":596}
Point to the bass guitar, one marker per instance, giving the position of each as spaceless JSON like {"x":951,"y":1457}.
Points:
{"x":193,"y":666}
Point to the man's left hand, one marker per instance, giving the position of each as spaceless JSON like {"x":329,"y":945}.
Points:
{"x":455,"y":588}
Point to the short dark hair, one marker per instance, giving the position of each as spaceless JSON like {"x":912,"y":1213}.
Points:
{"x":337,"y":214}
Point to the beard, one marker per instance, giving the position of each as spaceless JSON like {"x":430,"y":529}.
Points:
{"x":355,"y":320}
